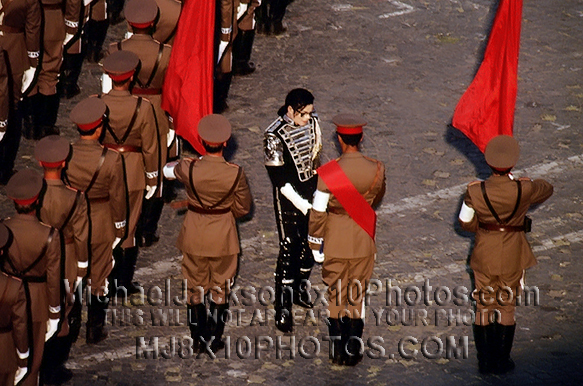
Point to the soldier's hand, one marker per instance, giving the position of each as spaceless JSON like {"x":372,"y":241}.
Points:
{"x":115,"y":242}
{"x":170,"y":137}
{"x":20,"y":373}
{"x":106,"y":84}
{"x":150,"y":190}
{"x":318,"y":256}
{"x":68,"y":38}
{"x":2,"y":135}
{"x":27,"y":78}
{"x":52,"y":327}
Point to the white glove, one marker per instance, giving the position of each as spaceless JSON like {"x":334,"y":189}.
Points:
{"x":115,"y":242}
{"x":168,"y":170}
{"x":52,"y":326}
{"x":128,"y":35}
{"x":106,"y":84}
{"x":170,"y":137}
{"x":27,"y":78}
{"x":2,"y":135}
{"x":20,"y":373}
{"x":318,"y":256}
{"x":68,"y":38}
{"x":150,"y":190}
{"x":222,"y":46}
{"x":299,"y":202}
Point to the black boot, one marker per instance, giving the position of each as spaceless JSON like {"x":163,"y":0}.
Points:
{"x":505,"y":338}
{"x":263,"y":26}
{"x":335,"y":331}
{"x":284,"y":320}
{"x":69,"y":76}
{"x":96,"y":33}
{"x":482,"y":337}
{"x":221,"y":92}
{"x":127,"y":270}
{"x":197,"y":322}
{"x":242,"y":47}
{"x":352,"y":330}
{"x":276,"y":13}
{"x":29,"y":107}
{"x":216,"y":326}
{"x":49,"y":110}
{"x":96,"y":331}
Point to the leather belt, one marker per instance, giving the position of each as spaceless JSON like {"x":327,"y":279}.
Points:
{"x":99,"y":199}
{"x":11,"y":30}
{"x":208,"y":211}
{"x":53,"y":6}
{"x":34,"y":279}
{"x":4,"y":330}
{"x":123,"y":148}
{"x":501,"y":228}
{"x":146,"y":91}
{"x":337,"y":210}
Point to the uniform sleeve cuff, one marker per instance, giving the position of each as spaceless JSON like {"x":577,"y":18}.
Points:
{"x":315,"y":240}
{"x":152,"y":175}
{"x":54,"y":310}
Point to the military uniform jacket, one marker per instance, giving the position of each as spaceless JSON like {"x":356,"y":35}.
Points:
{"x":107,"y":196}
{"x":66,"y":209}
{"x":495,"y":252}
{"x":20,"y":27}
{"x":212,"y":235}
{"x":13,"y":321}
{"x":30,"y":240}
{"x":168,"y":20}
{"x":342,"y":236}
{"x":141,"y":166}
{"x":291,"y":156}
{"x":154,"y":58}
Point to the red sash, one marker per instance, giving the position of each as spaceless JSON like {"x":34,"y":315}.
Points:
{"x":351,"y":200}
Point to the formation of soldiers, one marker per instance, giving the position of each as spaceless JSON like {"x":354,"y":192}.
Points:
{"x":78,"y":227}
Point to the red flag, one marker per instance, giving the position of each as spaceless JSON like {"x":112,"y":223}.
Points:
{"x":188,"y":87}
{"x":487,"y":107}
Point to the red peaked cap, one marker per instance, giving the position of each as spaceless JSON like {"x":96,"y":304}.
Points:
{"x":349,"y":123}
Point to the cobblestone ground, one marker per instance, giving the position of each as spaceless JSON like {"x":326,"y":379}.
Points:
{"x":404,"y":64}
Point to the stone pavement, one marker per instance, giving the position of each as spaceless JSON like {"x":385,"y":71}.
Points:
{"x":404,"y":64}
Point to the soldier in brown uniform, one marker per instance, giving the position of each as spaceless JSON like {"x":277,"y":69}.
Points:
{"x":13,"y":321}
{"x":154,"y":57}
{"x":65,"y":209}
{"x":131,"y":130}
{"x":343,"y":220}
{"x":20,"y":22}
{"x":225,"y":32}
{"x":218,"y":193}
{"x":42,"y":102}
{"x":76,"y":12}
{"x":99,"y":173}
{"x":167,"y":21}
{"x":34,"y":257}
{"x":496,"y":210}
{"x":243,"y":43}
{"x":96,"y":30}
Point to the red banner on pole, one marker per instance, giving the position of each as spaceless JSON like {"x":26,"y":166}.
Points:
{"x":188,"y":87}
{"x":487,"y":107}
